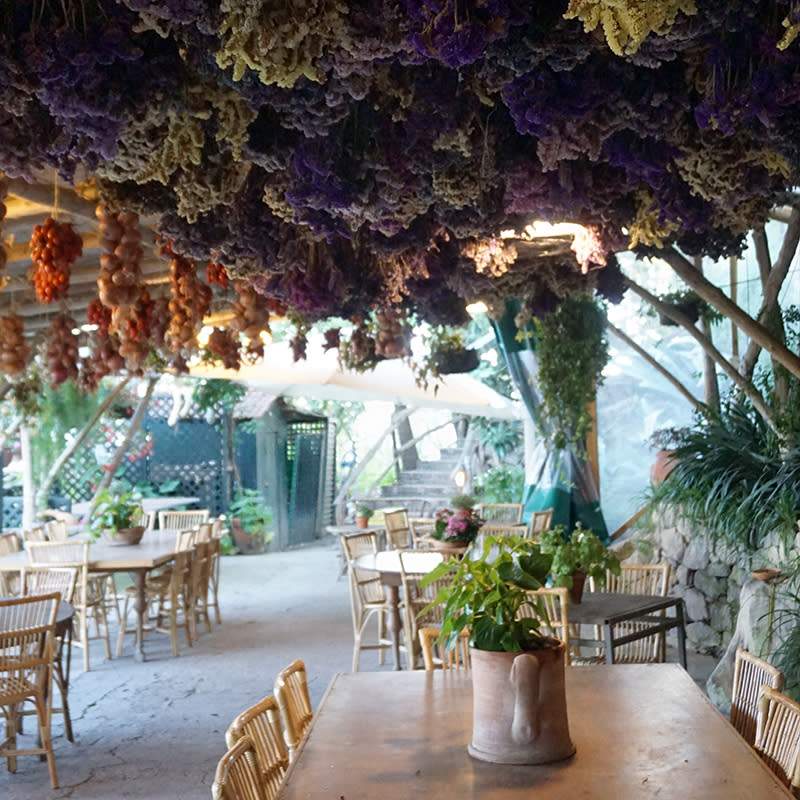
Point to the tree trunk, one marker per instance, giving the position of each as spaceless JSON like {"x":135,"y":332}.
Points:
{"x":136,"y":423}
{"x":43,"y":492}
{"x":408,"y":454}
{"x":664,"y":308}
{"x":717,"y":298}
{"x":655,"y":365}
{"x":709,"y":369}
{"x":344,"y":489}
{"x":28,"y":504}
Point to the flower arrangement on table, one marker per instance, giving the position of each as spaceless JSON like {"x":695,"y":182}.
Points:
{"x":458,"y":526}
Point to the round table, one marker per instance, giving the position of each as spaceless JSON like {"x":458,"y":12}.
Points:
{"x":387,"y":564}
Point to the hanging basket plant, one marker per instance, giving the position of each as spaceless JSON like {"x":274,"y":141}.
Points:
{"x":690,"y":305}
{"x":572,"y":349}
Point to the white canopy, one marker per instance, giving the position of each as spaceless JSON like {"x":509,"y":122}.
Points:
{"x":392,"y":380}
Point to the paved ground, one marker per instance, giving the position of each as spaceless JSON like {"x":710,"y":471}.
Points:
{"x":156,"y":730}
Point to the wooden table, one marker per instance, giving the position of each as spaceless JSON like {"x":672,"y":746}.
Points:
{"x":387,"y":564}
{"x":156,"y":549}
{"x":642,"y":731}
{"x":609,"y":609}
{"x":148,"y":504}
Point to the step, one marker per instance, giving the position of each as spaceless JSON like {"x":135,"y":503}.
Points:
{"x":398,"y":490}
{"x":425,"y":479}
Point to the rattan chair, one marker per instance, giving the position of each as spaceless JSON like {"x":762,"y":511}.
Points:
{"x":398,"y":530}
{"x":56,"y":530}
{"x":9,"y":582}
{"x":261,"y":724}
{"x":550,"y":605}
{"x":197,"y":595}
{"x":238,"y":776}
{"x":540,"y":521}
{"x":421,"y":529}
{"x":181,"y":520}
{"x":416,"y":598}
{"x":750,"y":673}
{"x":215,"y":555}
{"x":634,"y":579}
{"x":37,"y":534}
{"x":367,"y":596}
{"x":27,"y":627}
{"x":291,"y":692}
{"x":778,"y":736}
{"x":62,"y":581}
{"x":501,"y":513}
{"x":169,"y":599}
{"x":434,"y":656}
{"x":89,"y":599}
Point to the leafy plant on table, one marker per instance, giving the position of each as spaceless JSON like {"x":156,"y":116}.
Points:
{"x":485,"y":595}
{"x":581,"y":551}
{"x":363,"y":511}
{"x":115,"y":510}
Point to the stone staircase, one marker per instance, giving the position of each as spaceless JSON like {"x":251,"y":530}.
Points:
{"x":423,"y":490}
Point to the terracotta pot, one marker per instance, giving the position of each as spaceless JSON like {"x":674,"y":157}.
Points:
{"x":662,"y":466}
{"x":576,"y":592}
{"x":519,"y":707}
{"x":125,"y":536}
{"x":246,"y":543}
{"x":448,"y":547}
{"x":362,"y":522}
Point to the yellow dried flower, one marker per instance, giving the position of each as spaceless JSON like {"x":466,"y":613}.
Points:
{"x":646,"y":228}
{"x":627,"y":23}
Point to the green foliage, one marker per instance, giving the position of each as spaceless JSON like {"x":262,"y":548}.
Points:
{"x":787,"y":654}
{"x":209,"y":393}
{"x":501,"y":484}
{"x":253,"y":513}
{"x":462,"y":501}
{"x":164,"y":489}
{"x":734,"y":478}
{"x":115,"y":509}
{"x":485,"y":594}
{"x":364,"y":511}
{"x":690,"y":304}
{"x":581,"y":550}
{"x":572,"y":349}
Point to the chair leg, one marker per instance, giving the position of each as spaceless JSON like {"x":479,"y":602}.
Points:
{"x":47,"y":743}
{"x":11,"y":736}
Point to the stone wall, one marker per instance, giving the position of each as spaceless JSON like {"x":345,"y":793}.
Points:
{"x":709,"y":576}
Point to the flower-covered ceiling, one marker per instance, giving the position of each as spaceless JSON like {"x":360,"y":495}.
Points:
{"x":348,"y":155}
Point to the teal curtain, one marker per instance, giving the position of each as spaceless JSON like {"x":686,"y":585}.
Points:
{"x":557,"y":479}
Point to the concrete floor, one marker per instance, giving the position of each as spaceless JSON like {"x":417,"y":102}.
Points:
{"x":156,"y":730}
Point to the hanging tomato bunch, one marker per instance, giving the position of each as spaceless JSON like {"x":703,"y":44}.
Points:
{"x":3,"y":253}
{"x":217,"y":274}
{"x":54,"y":248}
{"x":224,"y":344}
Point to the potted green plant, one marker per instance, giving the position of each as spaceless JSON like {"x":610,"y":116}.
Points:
{"x":577,"y":556}
{"x":251,"y":519}
{"x":363,"y":515}
{"x":519,"y":702}
{"x":116,"y":516}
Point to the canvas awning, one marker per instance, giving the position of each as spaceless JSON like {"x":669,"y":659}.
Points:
{"x":392,"y":381}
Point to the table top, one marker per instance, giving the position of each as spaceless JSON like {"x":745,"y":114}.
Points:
{"x":388,"y":561}
{"x":148,"y":504}
{"x":155,"y":549}
{"x":603,"y":608}
{"x":641,"y":731}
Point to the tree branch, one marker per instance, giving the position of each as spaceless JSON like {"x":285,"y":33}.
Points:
{"x":43,"y":491}
{"x":655,"y":365}
{"x":755,"y":397}
{"x":717,"y":298}
{"x":136,"y":423}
